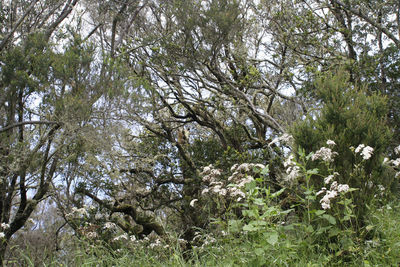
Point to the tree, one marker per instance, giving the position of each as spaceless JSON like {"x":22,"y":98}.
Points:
{"x":350,"y":117}
{"x":46,"y":99}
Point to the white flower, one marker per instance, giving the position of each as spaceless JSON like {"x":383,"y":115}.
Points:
{"x":358,"y":149}
{"x":223,"y":192}
{"x":5,"y":226}
{"x":330,"y":143}
{"x":323,"y":190}
{"x":326,"y":200}
{"x":91,"y":235}
{"x":234,"y":167}
{"x":110,"y":225}
{"x":328,"y":179}
{"x":397,"y":150}
{"x":381,"y":187}
{"x":325,"y":205}
{"x":324,"y":154}
{"x":132,"y":238}
{"x":285,"y":138}
{"x":123,"y":236}
{"x":246,"y":180}
{"x":2,"y":235}
{"x":293,"y":173}
{"x":343,"y":188}
{"x":367,"y":152}
{"x":193,"y":202}
{"x":205,"y":191}
{"x":334,"y":185}
{"x":289,"y":161}
{"x":396,"y":162}
{"x":385,"y":161}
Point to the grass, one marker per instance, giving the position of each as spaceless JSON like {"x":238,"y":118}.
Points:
{"x":293,"y":248}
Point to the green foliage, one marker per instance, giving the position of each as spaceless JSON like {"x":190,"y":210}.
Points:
{"x":350,"y":117}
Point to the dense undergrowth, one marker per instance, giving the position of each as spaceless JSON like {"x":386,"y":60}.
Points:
{"x":293,"y":247}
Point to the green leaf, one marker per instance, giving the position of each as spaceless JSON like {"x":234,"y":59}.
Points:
{"x":276,"y":194}
{"x":265,"y":171}
{"x":235,"y":226}
{"x":329,"y":218}
{"x":250,"y":228}
{"x":259,"y":251}
{"x":272,"y":238}
{"x":313,"y":171}
{"x":319,"y":212}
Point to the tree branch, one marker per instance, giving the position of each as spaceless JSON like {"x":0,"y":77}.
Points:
{"x":377,"y":25}
{"x":26,"y":122}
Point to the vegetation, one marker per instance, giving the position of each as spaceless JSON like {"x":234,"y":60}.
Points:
{"x":199,"y":133}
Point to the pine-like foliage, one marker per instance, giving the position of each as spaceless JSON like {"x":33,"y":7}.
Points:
{"x":348,"y":115}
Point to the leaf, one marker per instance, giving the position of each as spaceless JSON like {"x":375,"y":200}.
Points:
{"x":276,"y":194}
{"x":369,"y":227}
{"x":313,"y":171}
{"x":250,"y":228}
{"x":319,"y":212}
{"x":329,"y":218}
{"x":259,"y":251}
{"x":272,"y":238}
{"x":235,"y":226}
{"x":265,"y":171}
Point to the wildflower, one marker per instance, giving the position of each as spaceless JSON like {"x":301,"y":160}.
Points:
{"x":325,"y":205}
{"x":91,"y":235}
{"x":381,"y":187}
{"x":328,"y":179}
{"x":324,"y":154}
{"x":110,"y":225}
{"x":234,"y":167}
{"x":193,"y":202}
{"x":323,"y":190}
{"x":330,"y":143}
{"x":2,"y":235}
{"x":205,"y":191}
{"x":223,"y":192}
{"x":358,"y":149}
{"x":246,"y":180}
{"x":385,"y":161}
{"x":367,"y":152}
{"x":285,"y":138}
{"x":5,"y":226}
{"x":326,"y":200}
{"x":396,"y":162}
{"x":245,"y":167}
{"x":289,"y":161}
{"x":397,"y":150}
{"x":343,"y":188}
{"x":293,"y":172}
{"x":123,"y":236}
{"x":132,"y":238}
{"x":334,"y":185}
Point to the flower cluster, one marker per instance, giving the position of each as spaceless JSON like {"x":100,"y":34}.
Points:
{"x":325,"y":154}
{"x":333,"y":191}
{"x":124,"y":236}
{"x":77,"y":213}
{"x":5,"y":226}
{"x":365,"y":151}
{"x":239,"y":178}
{"x":285,"y":138}
{"x":292,"y":170}
{"x":89,"y":231}
{"x":110,"y":226}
